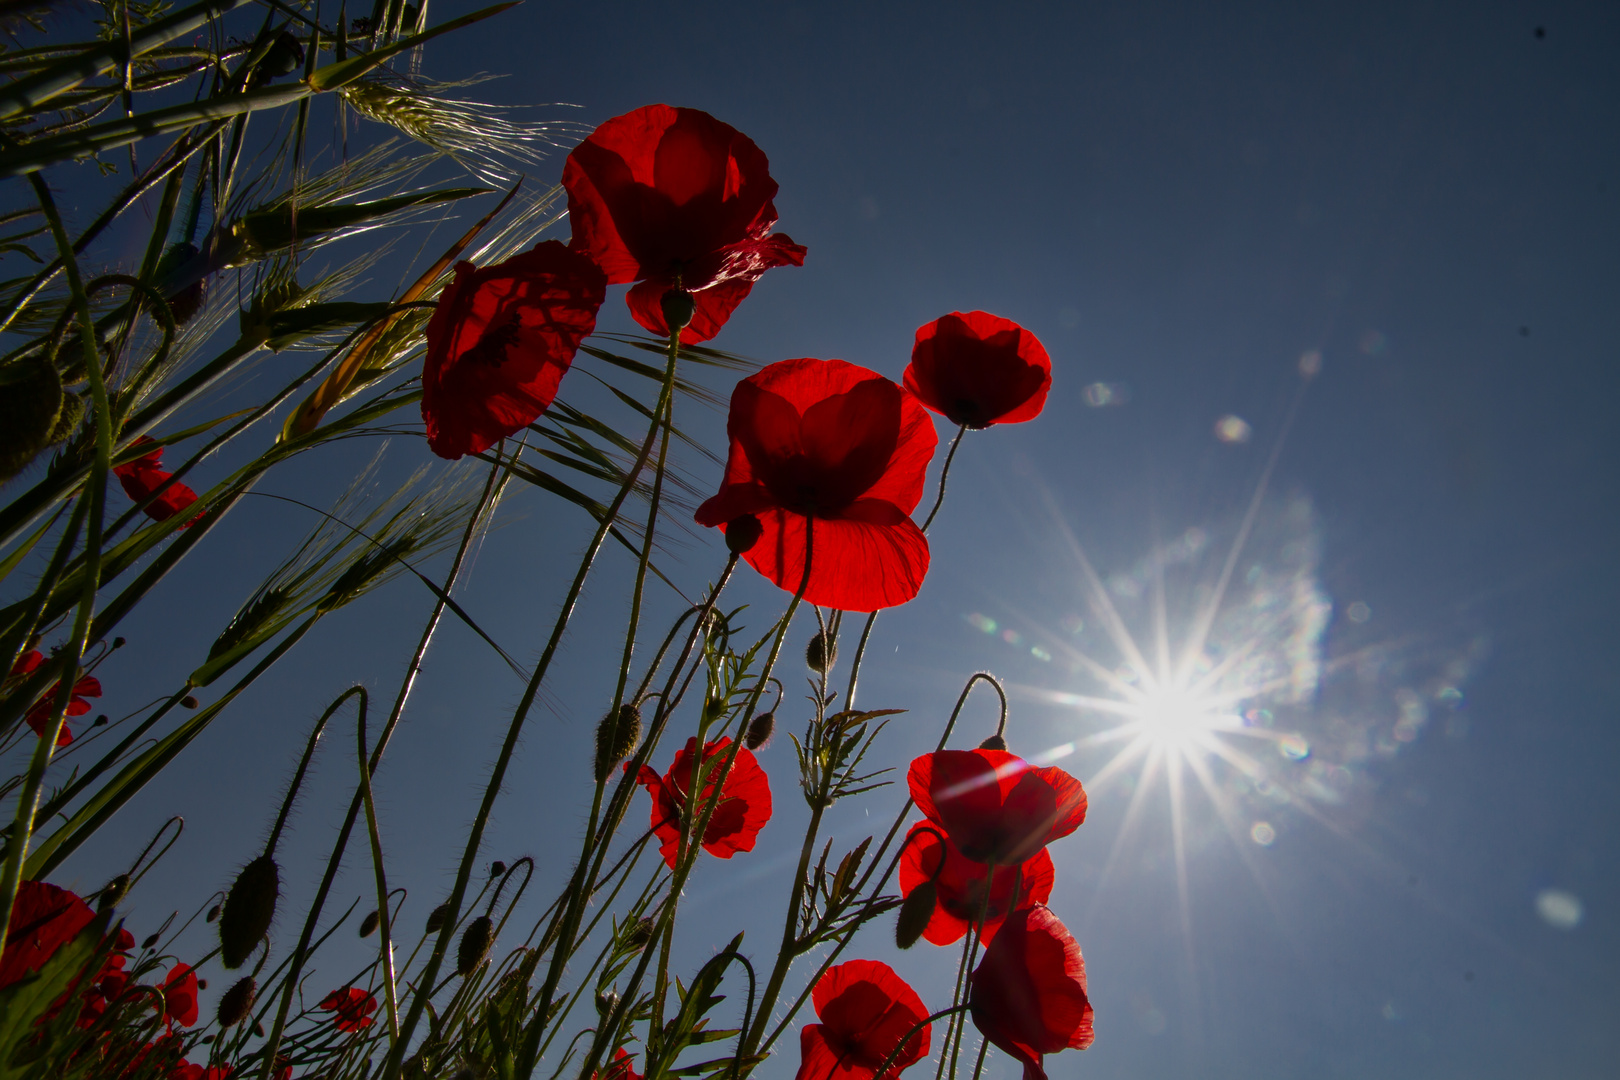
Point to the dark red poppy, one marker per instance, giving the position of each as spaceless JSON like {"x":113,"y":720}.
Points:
{"x":961,"y":885}
{"x":673,"y":198}
{"x":620,"y":1068}
{"x":500,"y":342}
{"x":865,"y":1011}
{"x":43,"y":919}
{"x":353,"y":1007}
{"x":995,"y":806}
{"x":1028,"y":995}
{"x":743,"y":810}
{"x":141,"y":477}
{"x":180,"y":996}
{"x":833,"y":442}
{"x":27,"y":662}
{"x":39,"y":713}
{"x":979,"y":369}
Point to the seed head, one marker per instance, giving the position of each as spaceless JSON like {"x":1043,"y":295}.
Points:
{"x":497,"y":868}
{"x":112,"y":892}
{"x":100,"y":720}
{"x":994,"y":742}
{"x":760,"y":729}
{"x":639,"y":934}
{"x":743,"y":533}
{"x":237,"y":1002}
{"x":30,"y":403}
{"x":606,"y":1002}
{"x":915,"y":912}
{"x":616,"y":737}
{"x":119,"y":643}
{"x":822,"y":653}
{"x":436,"y":917}
{"x":202,"y":984}
{"x":475,"y":943}
{"x":368,"y":925}
{"x":679,"y":307}
{"x":249,"y":908}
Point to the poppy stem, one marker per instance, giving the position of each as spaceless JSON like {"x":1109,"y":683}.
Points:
{"x":944,"y":472}
{"x":975,"y":933}
{"x":900,"y":1046}
{"x":96,"y":493}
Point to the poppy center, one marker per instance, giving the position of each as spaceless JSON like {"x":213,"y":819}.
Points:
{"x":490,"y":349}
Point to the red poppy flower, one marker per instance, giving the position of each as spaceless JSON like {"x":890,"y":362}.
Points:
{"x":353,"y":1007}
{"x":26,"y":663}
{"x":39,"y":713}
{"x":180,"y":996}
{"x":43,"y":919}
{"x":620,"y":1069}
{"x":673,"y":198}
{"x":141,"y":477}
{"x":743,"y":810}
{"x":979,"y":369}
{"x":865,"y":1010}
{"x":1028,"y":995}
{"x":961,"y":885}
{"x":995,"y":806}
{"x":827,"y":440}
{"x":499,"y":343}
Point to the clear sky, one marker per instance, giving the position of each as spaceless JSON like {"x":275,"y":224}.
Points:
{"x":1405,"y":865}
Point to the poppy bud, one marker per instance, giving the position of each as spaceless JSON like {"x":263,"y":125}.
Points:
{"x":368,"y":925}
{"x":151,"y":940}
{"x":497,"y":868}
{"x":639,"y":934}
{"x":189,"y":702}
{"x":915,"y":912}
{"x":759,"y":730}
{"x":213,"y":913}
{"x":606,"y":1002}
{"x":112,"y":892}
{"x":237,"y":1002}
{"x":202,"y":984}
{"x":436,"y":917}
{"x":258,"y":1029}
{"x":822,"y":653}
{"x":249,"y":908}
{"x":616,"y":737}
{"x":119,"y":643}
{"x":100,"y":720}
{"x":284,"y":56}
{"x":475,"y":943}
{"x":994,"y":742}
{"x":743,"y":533}
{"x":679,"y":307}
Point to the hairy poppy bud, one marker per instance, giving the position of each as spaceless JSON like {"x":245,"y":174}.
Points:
{"x":213,"y":913}
{"x":822,"y":653}
{"x":368,"y":925}
{"x":679,"y":307}
{"x":639,"y":934}
{"x":189,"y":702}
{"x":112,"y":892}
{"x":249,"y":908}
{"x":616,"y":737}
{"x":743,"y":533}
{"x":67,"y":422}
{"x":497,"y":868}
{"x":915,"y":912}
{"x":436,"y":917}
{"x":994,"y":742}
{"x":475,"y":943}
{"x":151,"y":940}
{"x":237,"y":1002}
{"x":759,"y":730}
{"x":606,"y":1002}
{"x":100,"y":720}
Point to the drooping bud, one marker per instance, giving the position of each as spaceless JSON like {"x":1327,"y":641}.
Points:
{"x":475,"y":943}
{"x":250,"y":907}
{"x":213,"y":913}
{"x":760,"y":729}
{"x":822,"y":653}
{"x":100,"y":720}
{"x":436,"y":917}
{"x":743,"y":533}
{"x":679,"y":307}
{"x":639,"y":934}
{"x":284,"y":57}
{"x":112,"y":892}
{"x":202,"y":984}
{"x":994,"y":742}
{"x":237,"y":1002}
{"x":616,"y":737}
{"x":915,"y":912}
{"x":258,"y":1029}
{"x":497,"y":868}
{"x":368,"y":925}
{"x":151,"y":940}
{"x":606,"y":1002}
{"x":189,"y":701}
{"x":119,"y":643}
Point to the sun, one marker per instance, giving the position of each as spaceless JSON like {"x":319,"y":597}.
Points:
{"x":1176,"y":718}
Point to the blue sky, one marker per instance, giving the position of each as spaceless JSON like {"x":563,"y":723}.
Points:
{"x":1181,"y":200}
